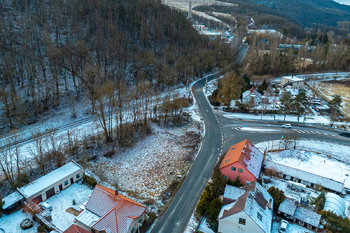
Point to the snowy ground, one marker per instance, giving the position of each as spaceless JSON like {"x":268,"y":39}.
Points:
{"x":62,"y":201}
{"x":10,"y":223}
{"x":151,"y":165}
{"x":191,"y":225}
{"x":292,"y":228}
{"x":60,"y":217}
{"x":204,"y":227}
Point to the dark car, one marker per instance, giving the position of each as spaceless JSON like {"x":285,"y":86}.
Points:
{"x":345,"y":134}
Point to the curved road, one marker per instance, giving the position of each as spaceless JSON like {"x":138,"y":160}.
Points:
{"x":220,"y":134}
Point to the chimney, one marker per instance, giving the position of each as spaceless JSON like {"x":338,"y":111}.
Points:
{"x":190,"y":9}
{"x":116,"y":192}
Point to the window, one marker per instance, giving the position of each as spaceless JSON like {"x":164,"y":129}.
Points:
{"x":66,"y":182}
{"x":233,"y":169}
{"x":78,"y":176}
{"x":241,"y":221}
{"x":227,"y":160}
{"x":240,"y":170}
{"x":225,"y":177}
{"x":259,"y":216}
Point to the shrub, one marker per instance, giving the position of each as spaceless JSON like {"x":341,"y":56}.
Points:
{"x":26,"y":224}
{"x":214,"y":209}
{"x":41,"y":228}
{"x":204,"y":201}
{"x":91,"y":181}
{"x":319,"y":201}
{"x":74,"y":202}
{"x":277,"y":195}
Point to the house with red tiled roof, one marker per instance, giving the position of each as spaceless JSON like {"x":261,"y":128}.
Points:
{"x":107,"y":211}
{"x":244,"y":160}
{"x":76,"y":229}
{"x":246,"y":209}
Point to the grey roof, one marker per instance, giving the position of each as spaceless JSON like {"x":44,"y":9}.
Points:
{"x":87,"y":218}
{"x":335,"y":204}
{"x":254,"y":200}
{"x":12,"y":199}
{"x":288,"y":206}
{"x":306,"y":176}
{"x":232,"y":192}
{"x":307,"y":216}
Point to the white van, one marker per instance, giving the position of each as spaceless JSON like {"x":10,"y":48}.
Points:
{"x":45,"y":206}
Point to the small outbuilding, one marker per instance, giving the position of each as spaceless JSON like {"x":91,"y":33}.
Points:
{"x":335,"y":204}
{"x":288,"y":208}
{"x":52,"y":183}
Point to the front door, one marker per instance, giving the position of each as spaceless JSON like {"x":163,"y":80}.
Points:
{"x":60,"y":186}
{"x":71,"y":181}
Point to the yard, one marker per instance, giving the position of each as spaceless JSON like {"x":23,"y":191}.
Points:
{"x":60,"y":217}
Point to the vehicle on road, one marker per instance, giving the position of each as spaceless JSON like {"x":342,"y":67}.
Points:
{"x":345,"y":134}
{"x":283,"y":226}
{"x":287,"y":126}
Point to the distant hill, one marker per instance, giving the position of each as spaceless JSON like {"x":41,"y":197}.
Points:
{"x":310,"y":12}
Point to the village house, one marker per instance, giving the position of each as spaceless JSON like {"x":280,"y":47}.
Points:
{"x":300,"y":215}
{"x":251,"y":97}
{"x":246,"y":209}
{"x":76,"y":229}
{"x":109,"y":211}
{"x":290,"y":82}
{"x":244,"y":160}
{"x":46,"y":186}
{"x":306,"y":178}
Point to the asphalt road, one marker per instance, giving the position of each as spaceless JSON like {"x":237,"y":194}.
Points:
{"x":220,"y":134}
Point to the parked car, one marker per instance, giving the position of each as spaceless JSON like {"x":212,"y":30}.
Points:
{"x":288,"y":126}
{"x":283,"y":226}
{"x":345,"y":134}
{"x":45,"y":206}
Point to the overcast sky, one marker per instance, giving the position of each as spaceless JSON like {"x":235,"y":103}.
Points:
{"x":346,"y":2}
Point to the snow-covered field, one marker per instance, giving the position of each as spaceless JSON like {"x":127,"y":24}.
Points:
{"x":151,"y":165}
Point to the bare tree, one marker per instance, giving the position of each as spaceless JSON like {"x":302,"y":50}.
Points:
{"x":38,"y":151}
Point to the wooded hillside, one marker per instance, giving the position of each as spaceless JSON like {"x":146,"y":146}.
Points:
{"x":53,"y":49}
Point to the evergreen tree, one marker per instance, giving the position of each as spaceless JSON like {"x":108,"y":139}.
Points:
{"x":299,"y":102}
{"x":218,"y":183}
{"x":277,"y":195}
{"x":204,"y":201}
{"x":238,"y":182}
{"x":214,"y":209}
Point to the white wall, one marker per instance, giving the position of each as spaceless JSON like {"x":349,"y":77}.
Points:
{"x":230,"y":224}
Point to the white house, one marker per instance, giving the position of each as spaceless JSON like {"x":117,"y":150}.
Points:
{"x":246,"y":209}
{"x":290,"y":82}
{"x":251,"y":96}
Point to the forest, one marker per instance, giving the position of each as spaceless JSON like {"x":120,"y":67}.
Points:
{"x":55,"y":52}
{"x":293,"y":18}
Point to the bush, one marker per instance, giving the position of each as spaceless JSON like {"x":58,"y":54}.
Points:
{"x":26,"y":224}
{"x":277,"y":195}
{"x":74,"y":202}
{"x":41,"y":228}
{"x":21,"y":180}
{"x":214,"y":209}
{"x":204,"y":201}
{"x":91,"y":181}
{"x":319,"y":201}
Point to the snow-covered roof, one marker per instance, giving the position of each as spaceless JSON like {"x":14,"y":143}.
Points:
{"x":46,"y":181}
{"x":232,"y":192}
{"x":293,"y":78}
{"x":335,"y":204}
{"x":11,"y":199}
{"x":307,"y":216}
{"x":251,"y":92}
{"x":87,"y":218}
{"x":245,"y":153}
{"x":306,"y":176}
{"x":288,"y":206}
{"x":254,"y":201}
{"x":116,"y":211}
